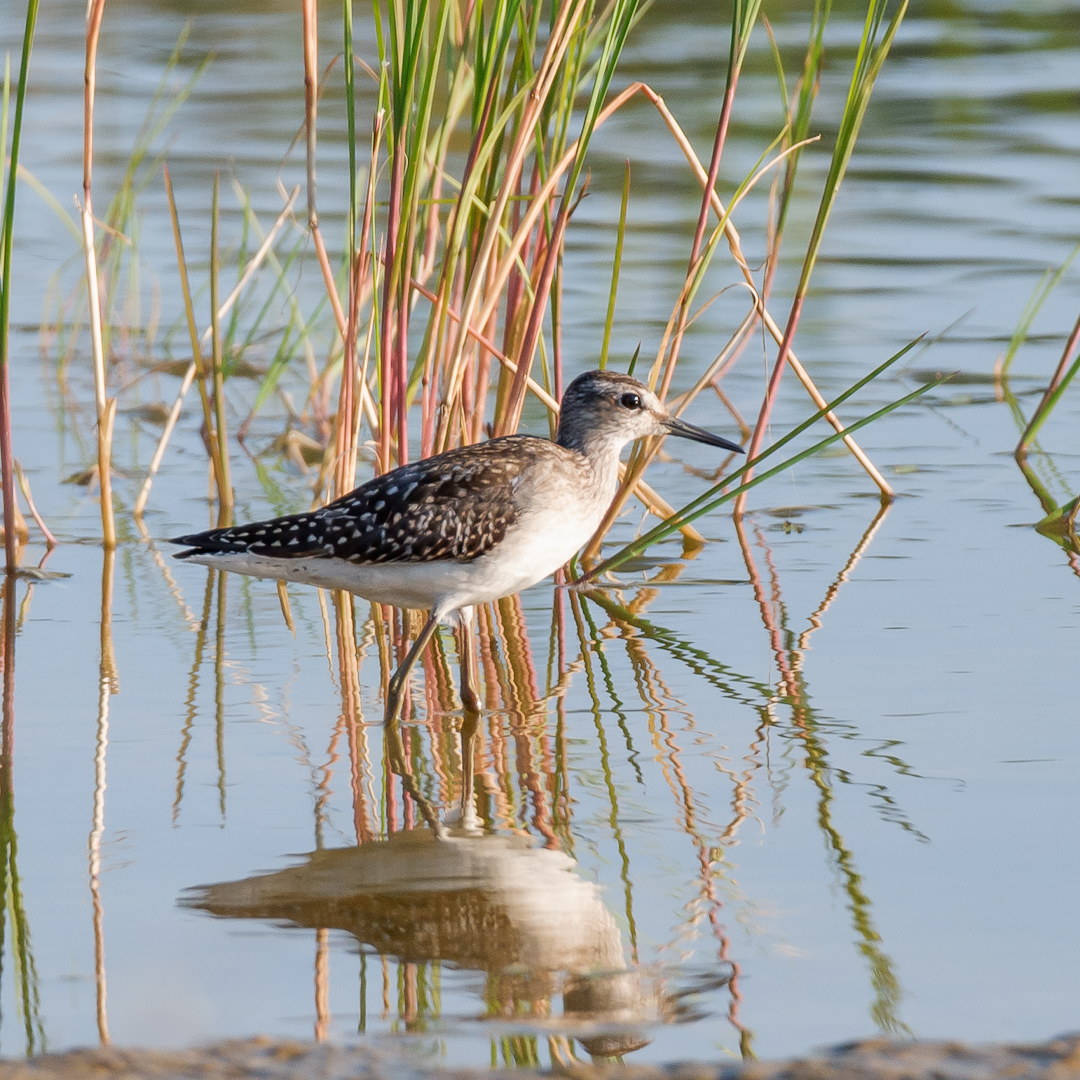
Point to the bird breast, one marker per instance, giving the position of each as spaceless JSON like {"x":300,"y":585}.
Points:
{"x":560,"y":504}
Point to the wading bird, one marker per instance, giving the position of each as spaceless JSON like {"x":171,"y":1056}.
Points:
{"x":461,"y":528}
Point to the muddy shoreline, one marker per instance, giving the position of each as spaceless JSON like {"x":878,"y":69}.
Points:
{"x":267,"y":1059}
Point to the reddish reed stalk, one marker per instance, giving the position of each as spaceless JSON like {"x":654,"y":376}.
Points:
{"x":734,"y":67}
{"x":310,"y":15}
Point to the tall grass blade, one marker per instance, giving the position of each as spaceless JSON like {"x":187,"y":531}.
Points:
{"x":193,"y":331}
{"x":801,"y":111}
{"x":106,"y":408}
{"x":710,"y":499}
{"x":1047,"y":283}
{"x":7,"y":478}
{"x":873,"y":49}
{"x":616,"y":266}
{"x":1063,"y":374}
{"x":1058,"y":385}
{"x":743,"y":18}
{"x":623,"y":14}
{"x":224,"y":480}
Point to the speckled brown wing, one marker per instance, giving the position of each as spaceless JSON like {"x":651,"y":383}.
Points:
{"x":457,"y":505}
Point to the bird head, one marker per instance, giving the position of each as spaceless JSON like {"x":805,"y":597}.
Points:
{"x":611,"y":409}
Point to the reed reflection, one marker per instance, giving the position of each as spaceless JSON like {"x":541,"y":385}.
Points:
{"x":1059,"y":519}
{"x":791,"y":694}
{"x":788,"y":651}
{"x":469,"y":868}
{"x":466,"y":833}
{"x":692,"y":813}
{"x":1059,"y":522}
{"x":14,"y":925}
{"x":108,"y":684}
{"x":215,"y":581}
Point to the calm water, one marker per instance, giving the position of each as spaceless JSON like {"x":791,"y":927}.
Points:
{"x":895,"y":851}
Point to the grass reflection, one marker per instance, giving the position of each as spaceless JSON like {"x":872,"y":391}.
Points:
{"x":466,"y":821}
{"x":605,"y":762}
{"x":14,"y":925}
{"x":508,"y":771}
{"x":807,"y":730}
{"x":1059,"y":522}
{"x":215,"y":585}
{"x":191,"y":698}
{"x":692,"y":814}
{"x":804,"y":731}
{"x":108,"y":684}
{"x":1059,"y":519}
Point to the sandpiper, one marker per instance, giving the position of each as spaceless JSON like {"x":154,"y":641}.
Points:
{"x":461,"y":528}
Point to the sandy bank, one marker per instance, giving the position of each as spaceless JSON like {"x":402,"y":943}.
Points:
{"x":266,"y":1059}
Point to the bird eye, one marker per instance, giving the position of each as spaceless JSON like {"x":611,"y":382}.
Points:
{"x":630,"y":401}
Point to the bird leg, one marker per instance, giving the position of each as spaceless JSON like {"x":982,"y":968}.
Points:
{"x":395,"y":691}
{"x":470,"y":699}
{"x":470,"y":725}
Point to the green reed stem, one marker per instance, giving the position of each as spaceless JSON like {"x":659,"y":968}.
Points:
{"x":350,"y":114}
{"x":616,"y":266}
{"x":802,"y":110}
{"x":7,"y":475}
{"x":1053,"y":395}
{"x":622,"y":17}
{"x":193,"y":331}
{"x":744,"y":16}
{"x":1046,"y":284}
{"x":4,"y":106}
{"x":710,"y":500}
{"x":1063,"y":374}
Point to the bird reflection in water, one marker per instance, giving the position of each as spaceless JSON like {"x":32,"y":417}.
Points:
{"x":472,"y":891}
{"x":481,"y":902}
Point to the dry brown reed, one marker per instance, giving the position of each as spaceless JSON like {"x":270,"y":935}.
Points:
{"x":452,"y":277}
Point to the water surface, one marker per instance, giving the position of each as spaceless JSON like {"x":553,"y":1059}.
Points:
{"x":817,"y":782}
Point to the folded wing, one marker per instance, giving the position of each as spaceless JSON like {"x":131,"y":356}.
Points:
{"x":453,"y":506}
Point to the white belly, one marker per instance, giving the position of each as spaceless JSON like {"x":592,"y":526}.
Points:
{"x":407,"y":585}
{"x":525,"y":557}
{"x":543,"y":539}
{"x":528,"y":555}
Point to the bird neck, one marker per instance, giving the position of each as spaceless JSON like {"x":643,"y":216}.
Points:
{"x":599,"y":448}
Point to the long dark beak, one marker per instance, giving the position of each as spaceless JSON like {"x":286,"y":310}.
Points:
{"x":688,"y":431}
